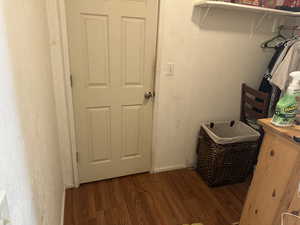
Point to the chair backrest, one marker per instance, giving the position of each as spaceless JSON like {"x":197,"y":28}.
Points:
{"x":254,"y":104}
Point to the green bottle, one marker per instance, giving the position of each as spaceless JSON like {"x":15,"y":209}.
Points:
{"x":286,"y":108}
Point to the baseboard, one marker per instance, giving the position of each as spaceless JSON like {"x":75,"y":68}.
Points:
{"x":69,"y":186}
{"x":62,"y":218}
{"x":169,"y":168}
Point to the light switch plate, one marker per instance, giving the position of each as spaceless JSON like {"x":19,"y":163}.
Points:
{"x":170,"y":71}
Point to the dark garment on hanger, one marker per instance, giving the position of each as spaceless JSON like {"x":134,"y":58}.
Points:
{"x":265,"y":85}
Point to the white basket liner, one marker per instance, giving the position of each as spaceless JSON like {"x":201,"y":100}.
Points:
{"x":223,"y":133}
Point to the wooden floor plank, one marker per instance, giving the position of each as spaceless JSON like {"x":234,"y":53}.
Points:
{"x":170,"y":198}
{"x":69,"y":210}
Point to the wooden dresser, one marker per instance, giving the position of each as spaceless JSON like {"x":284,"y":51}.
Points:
{"x":274,"y":188}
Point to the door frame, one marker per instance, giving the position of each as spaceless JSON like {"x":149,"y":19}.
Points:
{"x":60,"y":62}
{"x":59,"y":47}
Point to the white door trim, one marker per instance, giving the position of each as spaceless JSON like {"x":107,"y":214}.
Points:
{"x":69,"y":99}
{"x":62,"y":88}
{"x":62,"y":85}
{"x":159,"y":45}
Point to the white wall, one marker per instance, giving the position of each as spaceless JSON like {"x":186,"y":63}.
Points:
{"x":30,"y":168}
{"x":211,"y":61}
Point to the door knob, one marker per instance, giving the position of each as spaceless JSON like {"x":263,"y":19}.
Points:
{"x":148,"y":95}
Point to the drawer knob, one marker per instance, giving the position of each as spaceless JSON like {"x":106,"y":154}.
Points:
{"x":272,"y":152}
{"x":274,"y":193}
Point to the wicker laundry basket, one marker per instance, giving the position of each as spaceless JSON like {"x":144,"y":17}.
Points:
{"x":226,"y":152}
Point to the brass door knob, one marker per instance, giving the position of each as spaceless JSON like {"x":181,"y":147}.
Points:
{"x":148,"y":95}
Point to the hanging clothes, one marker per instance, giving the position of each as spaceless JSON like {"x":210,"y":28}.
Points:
{"x":285,"y":46}
{"x":290,"y":63}
{"x":267,"y":85}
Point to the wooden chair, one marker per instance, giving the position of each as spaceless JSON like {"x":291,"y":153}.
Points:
{"x":254,"y":105}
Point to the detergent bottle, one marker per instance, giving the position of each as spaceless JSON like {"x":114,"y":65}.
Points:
{"x":286,"y":108}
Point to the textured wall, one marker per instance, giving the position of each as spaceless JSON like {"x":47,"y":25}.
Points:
{"x":211,"y":59}
{"x":30,"y":169}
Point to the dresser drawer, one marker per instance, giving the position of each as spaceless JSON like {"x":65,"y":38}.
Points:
{"x":277,"y":161}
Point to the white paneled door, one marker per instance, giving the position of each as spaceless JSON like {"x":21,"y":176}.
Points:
{"x":112,"y":52}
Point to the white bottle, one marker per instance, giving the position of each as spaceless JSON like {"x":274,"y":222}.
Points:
{"x":294,"y":87}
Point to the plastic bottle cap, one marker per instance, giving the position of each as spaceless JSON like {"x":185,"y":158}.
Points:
{"x":295,"y":75}
{"x":295,"y":83}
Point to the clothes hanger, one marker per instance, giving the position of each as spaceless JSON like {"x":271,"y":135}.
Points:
{"x":279,"y":39}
